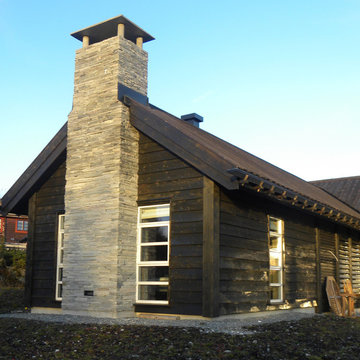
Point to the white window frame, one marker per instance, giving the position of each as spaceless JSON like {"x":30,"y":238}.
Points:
{"x":20,"y":225}
{"x":140,"y":263}
{"x":59,"y":263}
{"x":279,"y":252}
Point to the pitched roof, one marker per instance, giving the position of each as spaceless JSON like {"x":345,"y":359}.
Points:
{"x":346,"y":189}
{"x":226,"y":164}
{"x":220,"y":161}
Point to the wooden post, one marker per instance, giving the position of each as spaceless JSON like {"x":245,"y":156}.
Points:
{"x":30,"y":249}
{"x":350,"y":258}
{"x":121,"y":30}
{"x":319,"y":298}
{"x":139,"y":42}
{"x":86,"y":41}
{"x":211,"y":256}
{"x":337,"y":268}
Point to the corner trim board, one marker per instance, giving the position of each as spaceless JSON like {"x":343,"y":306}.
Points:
{"x":211,"y":253}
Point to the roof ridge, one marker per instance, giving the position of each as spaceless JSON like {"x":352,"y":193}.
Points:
{"x":357,"y":177}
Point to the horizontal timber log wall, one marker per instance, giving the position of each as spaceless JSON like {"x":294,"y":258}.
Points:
{"x":163,"y":177}
{"x":244,"y":254}
{"x":49,"y":203}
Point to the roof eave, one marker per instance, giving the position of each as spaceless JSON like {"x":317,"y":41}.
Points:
{"x":253,"y":182}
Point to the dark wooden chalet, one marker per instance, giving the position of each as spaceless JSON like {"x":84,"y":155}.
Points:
{"x":220,"y":235}
{"x":244,"y":235}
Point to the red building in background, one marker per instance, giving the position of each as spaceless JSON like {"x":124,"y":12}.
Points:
{"x":13,"y":229}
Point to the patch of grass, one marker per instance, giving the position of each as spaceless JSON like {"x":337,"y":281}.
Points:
{"x":322,"y":337}
{"x":11,"y":299}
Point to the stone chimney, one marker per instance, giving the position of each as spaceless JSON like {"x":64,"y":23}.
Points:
{"x":101,"y":171}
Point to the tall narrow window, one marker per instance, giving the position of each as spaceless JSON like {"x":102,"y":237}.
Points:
{"x":60,"y":258}
{"x":276,"y":248}
{"x":152,"y":278}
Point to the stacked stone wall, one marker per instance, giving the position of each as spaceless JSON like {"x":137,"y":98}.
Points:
{"x":101,"y":181}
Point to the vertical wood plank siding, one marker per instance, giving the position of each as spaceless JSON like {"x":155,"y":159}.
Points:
{"x":49,"y":202}
{"x":163,"y":177}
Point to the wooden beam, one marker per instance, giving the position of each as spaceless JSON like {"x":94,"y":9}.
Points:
{"x":337,"y":269}
{"x":319,"y":298}
{"x":30,"y":248}
{"x":211,"y":252}
{"x":350,"y":258}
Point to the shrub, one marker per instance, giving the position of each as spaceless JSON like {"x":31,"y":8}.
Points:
{"x":12,"y":267}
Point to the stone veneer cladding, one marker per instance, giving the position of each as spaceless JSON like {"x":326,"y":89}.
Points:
{"x":101,"y":181}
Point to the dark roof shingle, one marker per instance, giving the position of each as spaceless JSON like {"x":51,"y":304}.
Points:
{"x":346,"y":189}
{"x":214,"y":157}
{"x":207,"y":153}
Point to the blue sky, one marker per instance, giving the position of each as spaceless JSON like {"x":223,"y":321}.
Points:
{"x":279,"y":78}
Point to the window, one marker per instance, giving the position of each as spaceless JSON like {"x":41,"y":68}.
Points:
{"x":152,"y":276}
{"x":276,"y":252}
{"x":60,"y":258}
{"x":22,"y":225}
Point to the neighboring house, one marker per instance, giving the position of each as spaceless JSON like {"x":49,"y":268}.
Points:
{"x":13,"y":229}
{"x":133,"y":210}
{"x":346,"y":189}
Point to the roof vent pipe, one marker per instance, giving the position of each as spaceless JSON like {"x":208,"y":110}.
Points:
{"x":193,"y":119}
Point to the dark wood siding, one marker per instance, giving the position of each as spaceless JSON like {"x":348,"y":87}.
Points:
{"x":49,"y":203}
{"x":327,"y":251}
{"x":244,"y":259}
{"x":300,"y":258}
{"x":244,"y":254}
{"x":163,"y":177}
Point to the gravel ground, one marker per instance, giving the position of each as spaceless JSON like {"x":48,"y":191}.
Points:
{"x":230,"y":324}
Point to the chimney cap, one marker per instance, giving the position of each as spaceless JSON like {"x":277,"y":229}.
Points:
{"x":109,"y":28}
{"x":193,"y":118}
